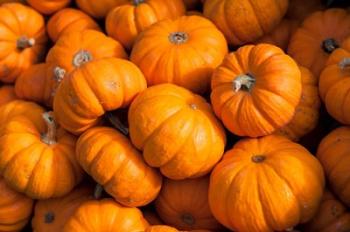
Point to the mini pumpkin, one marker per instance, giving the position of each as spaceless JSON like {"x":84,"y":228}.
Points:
{"x":256,"y":90}
{"x":99,"y":9}
{"x":48,"y":6}
{"x":7,"y":94}
{"x":69,"y":20}
{"x":184,"y":52}
{"x":176,"y":130}
{"x":266,"y":176}
{"x":23,"y":40}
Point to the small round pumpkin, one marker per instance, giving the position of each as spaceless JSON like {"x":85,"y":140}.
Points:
{"x":161,"y":228}
{"x":184,"y":204}
{"x":334,"y":155}
{"x":125,"y":22}
{"x":266,"y":184}
{"x":256,"y":90}
{"x":7,"y":94}
{"x":84,"y":96}
{"x":22,"y":40}
{"x":245,"y":21}
{"x":15,"y":209}
{"x":317,"y":38}
{"x":300,"y":9}
{"x":69,"y":20}
{"x":184,"y":52}
{"x":176,"y":130}
{"x":48,"y":6}
{"x":99,"y":9}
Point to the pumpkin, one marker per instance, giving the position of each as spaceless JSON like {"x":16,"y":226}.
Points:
{"x":320,"y":34}
{"x":334,"y":155}
{"x":266,"y":176}
{"x":42,"y":164}
{"x":15,"y":209}
{"x":23,"y":40}
{"x":161,"y":228}
{"x":105,"y":215}
{"x":192,"y":4}
{"x":87,"y":93}
{"x":184,"y":52}
{"x":74,"y":49}
{"x":48,"y":6}
{"x":184,"y":204}
{"x":52,"y":214}
{"x":7,"y":94}
{"x":249,"y":94}
{"x":331,"y":216}
{"x":99,"y":9}
{"x":300,"y":9}
{"x":244,"y":21}
{"x":69,"y":20}
{"x":125,"y":22}
{"x":176,"y":130}
{"x":307,"y":112}
{"x":152,"y":218}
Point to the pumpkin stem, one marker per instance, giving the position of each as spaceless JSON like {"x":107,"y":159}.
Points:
{"x":178,"y":37}
{"x":244,"y":82}
{"x":116,"y":123}
{"x":329,"y":45}
{"x":188,"y":219}
{"x":81,"y":58}
{"x":137,"y":2}
{"x":49,"y":217}
{"x":24,"y":42}
{"x":258,"y":158}
{"x":50,"y":137}
{"x":344,"y":63}
{"x":59,"y":73}
{"x":98,"y":191}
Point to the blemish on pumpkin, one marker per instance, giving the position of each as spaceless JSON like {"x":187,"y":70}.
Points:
{"x":188,"y":219}
{"x":258,"y":158}
{"x":193,"y":106}
{"x":49,"y":217}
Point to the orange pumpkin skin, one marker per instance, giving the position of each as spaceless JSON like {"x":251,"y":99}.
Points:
{"x":99,"y":9}
{"x":161,"y":228}
{"x":48,"y":6}
{"x":184,"y":52}
{"x":96,"y":87}
{"x":316,"y":39}
{"x":152,"y":218}
{"x":125,"y":22}
{"x":180,"y":205}
{"x":266,"y":176}
{"x":299,"y":9}
{"x":52,"y":214}
{"x":23,"y":40}
{"x":69,"y":20}
{"x":7,"y":94}
{"x":105,"y":215}
{"x":306,"y":114}
{"x":109,"y":158}
{"x":334,"y":154}
{"x":176,"y":130}
{"x":248,"y":93}
{"x":332,"y":216}
{"x":245,"y":21}
{"x":15,"y":209}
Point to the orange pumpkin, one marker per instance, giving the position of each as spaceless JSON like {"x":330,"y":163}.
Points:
{"x":23,"y":40}
{"x":307,"y":112}
{"x":15,"y":209}
{"x":300,"y":9}
{"x":42,"y":164}
{"x":245,"y":21}
{"x":320,"y":34}
{"x":179,"y":204}
{"x":96,"y":87}
{"x":332,"y":216}
{"x":152,"y":218}
{"x":125,"y":22}
{"x":161,"y":228}
{"x":69,"y":20}
{"x":105,"y":215}
{"x":184,"y":51}
{"x":334,"y":155}
{"x":52,"y":214}
{"x":99,"y":9}
{"x":7,"y":94}
{"x":266,"y":184}
{"x":176,"y":130}
{"x":248,"y":93}
{"x":48,"y":6}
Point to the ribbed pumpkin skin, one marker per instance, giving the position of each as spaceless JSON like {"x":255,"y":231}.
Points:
{"x":15,"y":209}
{"x":17,"y":20}
{"x":334,"y":155}
{"x":179,"y":204}
{"x":48,"y":6}
{"x":124,"y":23}
{"x":176,"y":130}
{"x":266,"y":176}
{"x":7,"y":94}
{"x":161,"y":228}
{"x":306,"y":45}
{"x":332,"y":216}
{"x":245,"y":21}
{"x":114,"y":163}
{"x":69,"y":20}
{"x":99,"y":9}
{"x":105,"y":215}
{"x":186,"y":61}
{"x":96,"y":87}
{"x":306,"y":114}
{"x":52,"y":214}
{"x":268,"y":102}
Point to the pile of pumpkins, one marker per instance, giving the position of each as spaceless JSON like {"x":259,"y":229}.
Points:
{"x":174,"y":115}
